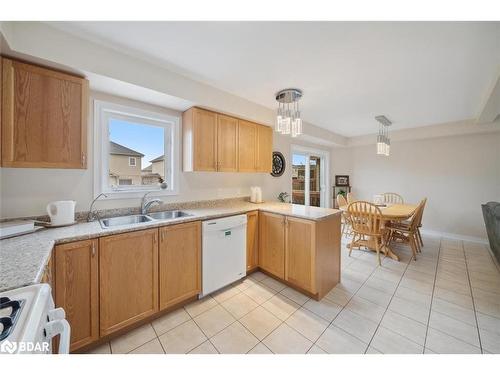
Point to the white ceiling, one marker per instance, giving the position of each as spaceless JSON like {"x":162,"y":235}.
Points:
{"x":416,"y":73}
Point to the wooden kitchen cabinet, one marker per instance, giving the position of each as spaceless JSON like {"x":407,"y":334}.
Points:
{"x":180,"y":263}
{"x":199,"y":136}
{"x":264,"y":149}
{"x":44,"y":117}
{"x":247,"y":145}
{"x":272,"y":243}
{"x":303,"y":253}
{"x":128,"y":271}
{"x":214,"y":142}
{"x":252,"y":240}
{"x":76,"y":289}
{"x":227,"y":144}
{"x":300,"y":253}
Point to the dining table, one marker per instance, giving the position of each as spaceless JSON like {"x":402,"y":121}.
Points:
{"x":391,"y":212}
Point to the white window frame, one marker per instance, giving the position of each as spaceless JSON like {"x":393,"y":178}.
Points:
{"x":130,"y":158}
{"x":103,"y":111}
{"x":324,"y":171}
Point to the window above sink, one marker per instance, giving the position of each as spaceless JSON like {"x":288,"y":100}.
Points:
{"x":135,"y":151}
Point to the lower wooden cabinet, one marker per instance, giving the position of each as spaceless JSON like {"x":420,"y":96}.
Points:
{"x":76,"y":289}
{"x":128,"y":285}
{"x":304,"y":253}
{"x":180,"y":263}
{"x":272,"y":243}
{"x":300,"y":253}
{"x":252,"y":240}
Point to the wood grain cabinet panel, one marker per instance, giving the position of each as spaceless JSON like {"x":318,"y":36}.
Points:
{"x":252,"y":240}
{"x":264,"y":149}
{"x":180,"y":263}
{"x":199,"y":131}
{"x":76,"y":289}
{"x":227,"y":144}
{"x":300,"y":251}
{"x":247,"y":145}
{"x":128,"y":271}
{"x":272,"y":243}
{"x":44,"y":117}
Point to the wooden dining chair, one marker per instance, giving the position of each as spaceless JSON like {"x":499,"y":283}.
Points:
{"x":346,"y":224}
{"x":366,"y":221}
{"x":351,"y":198}
{"x":419,"y":225}
{"x":393,"y":198}
{"x":408,"y":231}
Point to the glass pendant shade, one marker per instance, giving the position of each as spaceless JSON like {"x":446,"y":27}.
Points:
{"x":288,"y":119}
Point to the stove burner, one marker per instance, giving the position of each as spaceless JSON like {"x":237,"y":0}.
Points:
{"x":8,"y":320}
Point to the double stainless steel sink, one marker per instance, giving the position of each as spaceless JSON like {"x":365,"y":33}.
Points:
{"x":137,"y":219}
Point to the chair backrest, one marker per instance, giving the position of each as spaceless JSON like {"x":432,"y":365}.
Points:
{"x":365,"y":218}
{"x":341,"y":201}
{"x":351,"y":198}
{"x":393,"y":198}
{"x":417,"y":216}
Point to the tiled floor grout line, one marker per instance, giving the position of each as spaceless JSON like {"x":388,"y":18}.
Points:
{"x":472,"y":297}
{"x":343,"y":307}
{"x":432,"y":294}
{"x":387,"y":307}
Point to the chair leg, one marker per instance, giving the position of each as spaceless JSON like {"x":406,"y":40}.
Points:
{"x":413,"y":246}
{"x":377,"y":247}
{"x":417,"y":241}
{"x":420,"y":237}
{"x":352,"y":243}
{"x":343,"y":230}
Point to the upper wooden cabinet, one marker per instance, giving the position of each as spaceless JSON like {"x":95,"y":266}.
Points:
{"x":199,"y":137}
{"x":76,"y":289}
{"x":247,"y":145}
{"x":272,"y":243}
{"x":227,"y":144}
{"x":180,"y":263}
{"x":128,"y":272}
{"x":44,"y":117}
{"x":216,"y":142}
{"x":264,"y":149}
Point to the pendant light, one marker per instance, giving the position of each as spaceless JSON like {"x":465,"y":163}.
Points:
{"x":383,"y":140}
{"x":288,"y":119}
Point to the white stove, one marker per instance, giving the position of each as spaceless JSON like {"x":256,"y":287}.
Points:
{"x":29,"y":321}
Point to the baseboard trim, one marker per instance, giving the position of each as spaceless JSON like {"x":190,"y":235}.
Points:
{"x":455,"y":236}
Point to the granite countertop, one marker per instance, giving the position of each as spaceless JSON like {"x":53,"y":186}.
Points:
{"x":23,"y":258}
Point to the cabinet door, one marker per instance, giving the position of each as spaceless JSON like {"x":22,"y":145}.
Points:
{"x":227,"y":144}
{"x":300,"y":253}
{"x":205,"y":140}
{"x":252,"y":240}
{"x":128,"y":271}
{"x":76,"y":289}
{"x":247,"y":146}
{"x":180,"y":263}
{"x":264,"y":148}
{"x":272,"y":243}
{"x":44,"y":117}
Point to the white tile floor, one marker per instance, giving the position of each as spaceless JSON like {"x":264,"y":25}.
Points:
{"x":448,"y":301}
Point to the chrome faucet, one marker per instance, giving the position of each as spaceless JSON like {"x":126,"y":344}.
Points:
{"x":91,"y":216}
{"x":146,"y":205}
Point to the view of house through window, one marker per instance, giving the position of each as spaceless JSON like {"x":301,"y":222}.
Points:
{"x":136,"y":153}
{"x":307,"y":179}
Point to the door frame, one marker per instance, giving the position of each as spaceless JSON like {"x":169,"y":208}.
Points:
{"x":324,"y":171}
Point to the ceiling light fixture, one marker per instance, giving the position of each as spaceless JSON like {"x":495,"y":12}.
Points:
{"x":383,"y":140}
{"x":288,"y":119}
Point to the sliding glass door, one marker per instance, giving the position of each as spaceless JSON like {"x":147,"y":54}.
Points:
{"x":308,"y":177}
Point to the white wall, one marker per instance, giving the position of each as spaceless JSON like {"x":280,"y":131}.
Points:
{"x":456,"y":174}
{"x":26,"y":191}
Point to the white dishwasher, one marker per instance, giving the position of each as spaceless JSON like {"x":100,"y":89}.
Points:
{"x":224,"y":252}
